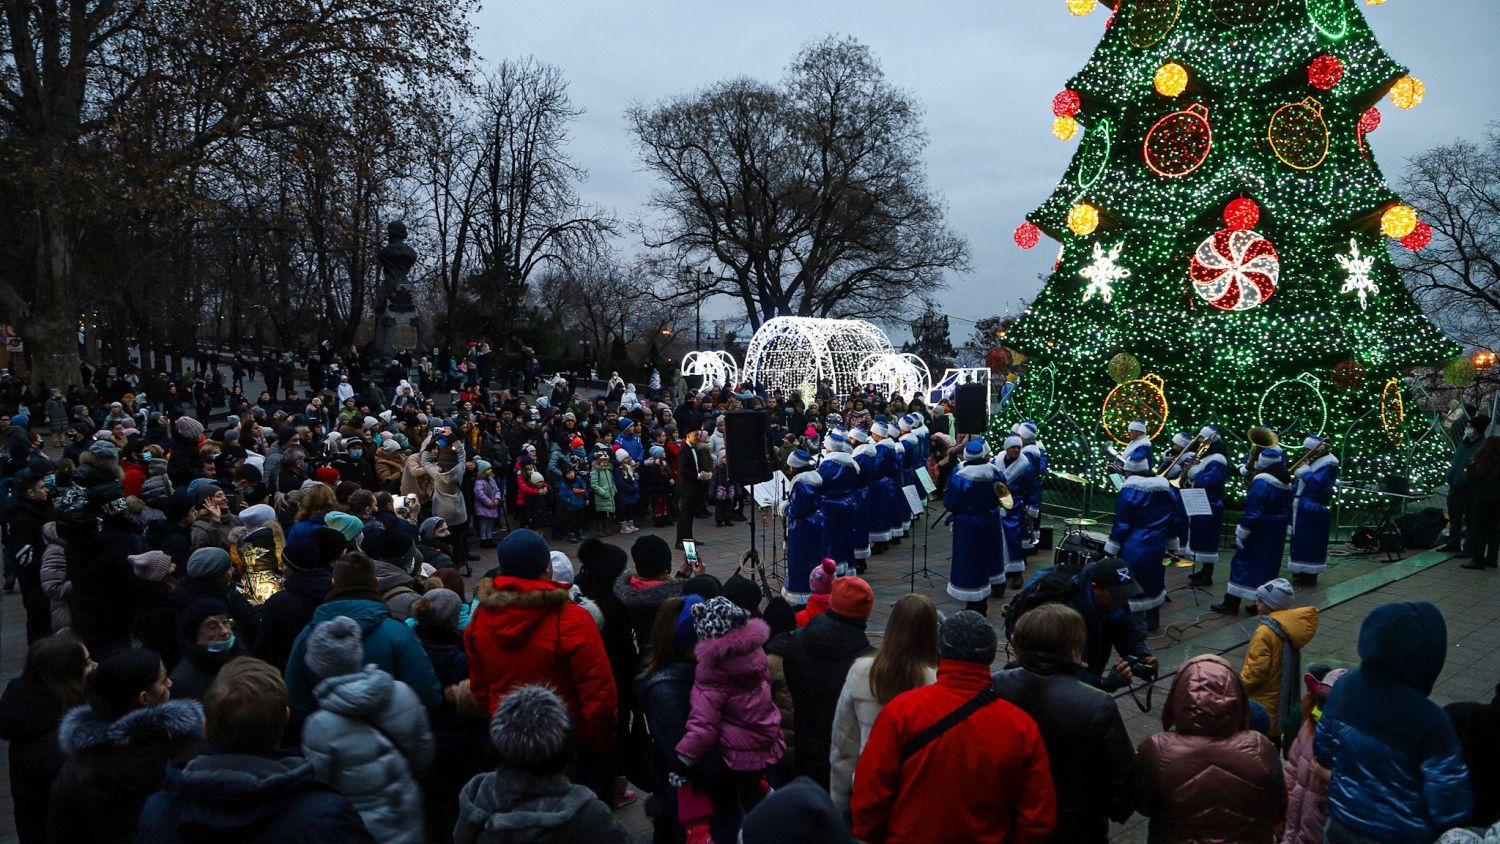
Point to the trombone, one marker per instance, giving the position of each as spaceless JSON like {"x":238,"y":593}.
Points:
{"x":1310,"y":455}
{"x":1199,"y":447}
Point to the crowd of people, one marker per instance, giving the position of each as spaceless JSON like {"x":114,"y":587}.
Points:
{"x":254,"y":621}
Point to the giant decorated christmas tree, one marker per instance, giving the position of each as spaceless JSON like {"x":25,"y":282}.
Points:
{"x":1225,"y":233}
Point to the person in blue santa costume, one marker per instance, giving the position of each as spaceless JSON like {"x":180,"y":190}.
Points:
{"x":1177,"y":463}
{"x":840,"y":484}
{"x":1260,"y":539}
{"x":1209,"y":475}
{"x":1032,"y":495}
{"x":1310,"y":521}
{"x":867,"y":458}
{"x":1016,"y":472}
{"x":912,"y":456}
{"x":1142,"y":533}
{"x":892,"y":513}
{"x":924,"y":436}
{"x":804,"y":526}
{"x":980,"y":551}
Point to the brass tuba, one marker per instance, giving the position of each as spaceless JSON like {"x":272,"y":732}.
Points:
{"x":1261,"y":438}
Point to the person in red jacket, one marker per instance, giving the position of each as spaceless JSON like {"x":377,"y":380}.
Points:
{"x":526,"y":631}
{"x":908,"y":770}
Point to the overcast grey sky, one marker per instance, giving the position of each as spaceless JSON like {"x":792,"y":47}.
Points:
{"x":985,"y":70}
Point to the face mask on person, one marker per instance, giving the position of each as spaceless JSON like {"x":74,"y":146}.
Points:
{"x":357,"y":453}
{"x":1470,"y":433}
{"x":221,"y":646}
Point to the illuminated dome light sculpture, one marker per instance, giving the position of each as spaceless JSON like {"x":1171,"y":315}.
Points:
{"x":795,"y":353}
{"x":717,"y":369}
{"x":947,"y":386}
{"x":904,"y":375}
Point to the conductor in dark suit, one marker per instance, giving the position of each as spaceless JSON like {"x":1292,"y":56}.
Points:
{"x":694,"y":470}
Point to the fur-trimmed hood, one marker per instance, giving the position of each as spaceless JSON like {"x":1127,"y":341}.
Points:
{"x":648,"y":598}
{"x":736,"y":659}
{"x":504,"y":592}
{"x":175,"y":720}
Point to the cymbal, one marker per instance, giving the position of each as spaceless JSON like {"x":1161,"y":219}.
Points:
{"x":1069,"y":476}
{"x":1080,"y":522}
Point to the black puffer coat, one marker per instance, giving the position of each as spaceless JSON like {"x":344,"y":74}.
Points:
{"x":817,"y":659}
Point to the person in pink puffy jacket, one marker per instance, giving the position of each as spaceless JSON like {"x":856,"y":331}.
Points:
{"x":1306,"y":780}
{"x":732,"y":715}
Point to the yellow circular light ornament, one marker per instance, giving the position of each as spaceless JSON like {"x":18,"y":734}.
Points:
{"x":1064,"y":128}
{"x":1171,"y":79}
{"x":1375,"y":2}
{"x":1408,"y":92}
{"x":1081,"y":8}
{"x":1083,"y":220}
{"x":1398,"y":221}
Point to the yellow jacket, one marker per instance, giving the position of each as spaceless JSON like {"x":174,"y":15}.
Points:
{"x":1261,"y":675}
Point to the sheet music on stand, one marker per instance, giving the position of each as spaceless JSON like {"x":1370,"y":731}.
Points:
{"x":913,"y":500}
{"x":1118,"y":480}
{"x":925,"y":480}
{"x":772,"y":493}
{"x":1195,"y":502}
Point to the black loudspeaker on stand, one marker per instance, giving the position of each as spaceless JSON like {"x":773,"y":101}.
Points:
{"x":747,"y":447}
{"x":969,"y":402}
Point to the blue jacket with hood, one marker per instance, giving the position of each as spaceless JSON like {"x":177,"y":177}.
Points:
{"x":388,"y":643}
{"x":1398,"y":770}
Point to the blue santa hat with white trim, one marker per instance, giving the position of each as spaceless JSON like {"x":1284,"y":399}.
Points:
{"x":1137,"y":426}
{"x":1210,"y":433}
{"x":1139,"y":459}
{"x":906,"y":423}
{"x":859,"y":435}
{"x":1268,"y":457}
{"x":880,"y":429}
{"x":977,"y":449}
{"x":1011,"y":441}
{"x":799,"y":459}
{"x":1313,"y":441}
{"x":1181,"y":439}
{"x":836,"y":441}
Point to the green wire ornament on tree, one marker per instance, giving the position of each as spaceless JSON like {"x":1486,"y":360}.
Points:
{"x":1123,"y":367}
{"x":1294,"y":408}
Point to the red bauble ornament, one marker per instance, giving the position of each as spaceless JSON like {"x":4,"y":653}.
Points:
{"x":1027,"y":235}
{"x":1325,"y":72}
{"x":1348,"y":375}
{"x":997,"y":358}
{"x":1241,"y":214}
{"x":1370,"y":120}
{"x":1419,"y":239}
{"x":1066,"y":104}
{"x":1180,"y":142}
{"x":1235,"y":270}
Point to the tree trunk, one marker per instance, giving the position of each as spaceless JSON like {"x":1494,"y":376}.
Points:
{"x":51,"y":331}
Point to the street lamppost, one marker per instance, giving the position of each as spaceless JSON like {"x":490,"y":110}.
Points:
{"x":698,"y":315}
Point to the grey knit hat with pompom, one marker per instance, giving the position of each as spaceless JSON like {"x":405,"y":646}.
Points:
{"x":531,"y":729}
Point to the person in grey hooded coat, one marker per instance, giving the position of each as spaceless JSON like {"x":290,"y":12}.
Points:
{"x":369,"y":735}
{"x":528,"y":798}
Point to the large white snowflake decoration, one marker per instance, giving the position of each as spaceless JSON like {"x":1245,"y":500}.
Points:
{"x":1103,"y":273}
{"x":1358,"y":269}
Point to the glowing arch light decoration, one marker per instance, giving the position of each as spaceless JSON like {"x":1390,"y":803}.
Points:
{"x":1393,"y":411}
{"x":718,"y":369}
{"x":904,"y":375}
{"x":795,"y":353}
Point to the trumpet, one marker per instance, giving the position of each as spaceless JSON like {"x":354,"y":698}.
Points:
{"x":1199,"y":447}
{"x":1310,"y":455}
{"x":1261,"y":438}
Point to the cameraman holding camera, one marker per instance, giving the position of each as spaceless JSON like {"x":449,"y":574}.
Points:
{"x":1101,"y":593}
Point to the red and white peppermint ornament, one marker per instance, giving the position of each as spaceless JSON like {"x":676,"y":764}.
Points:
{"x":1235,"y":270}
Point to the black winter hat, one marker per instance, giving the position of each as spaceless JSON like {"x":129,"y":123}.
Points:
{"x":189,"y":619}
{"x":652,"y":556}
{"x":800,"y":812}
{"x":967,"y":636}
{"x":524,"y":554}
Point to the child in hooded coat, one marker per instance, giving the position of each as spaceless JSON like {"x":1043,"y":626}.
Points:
{"x":486,"y":503}
{"x":733,"y":716}
{"x":370,"y":733}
